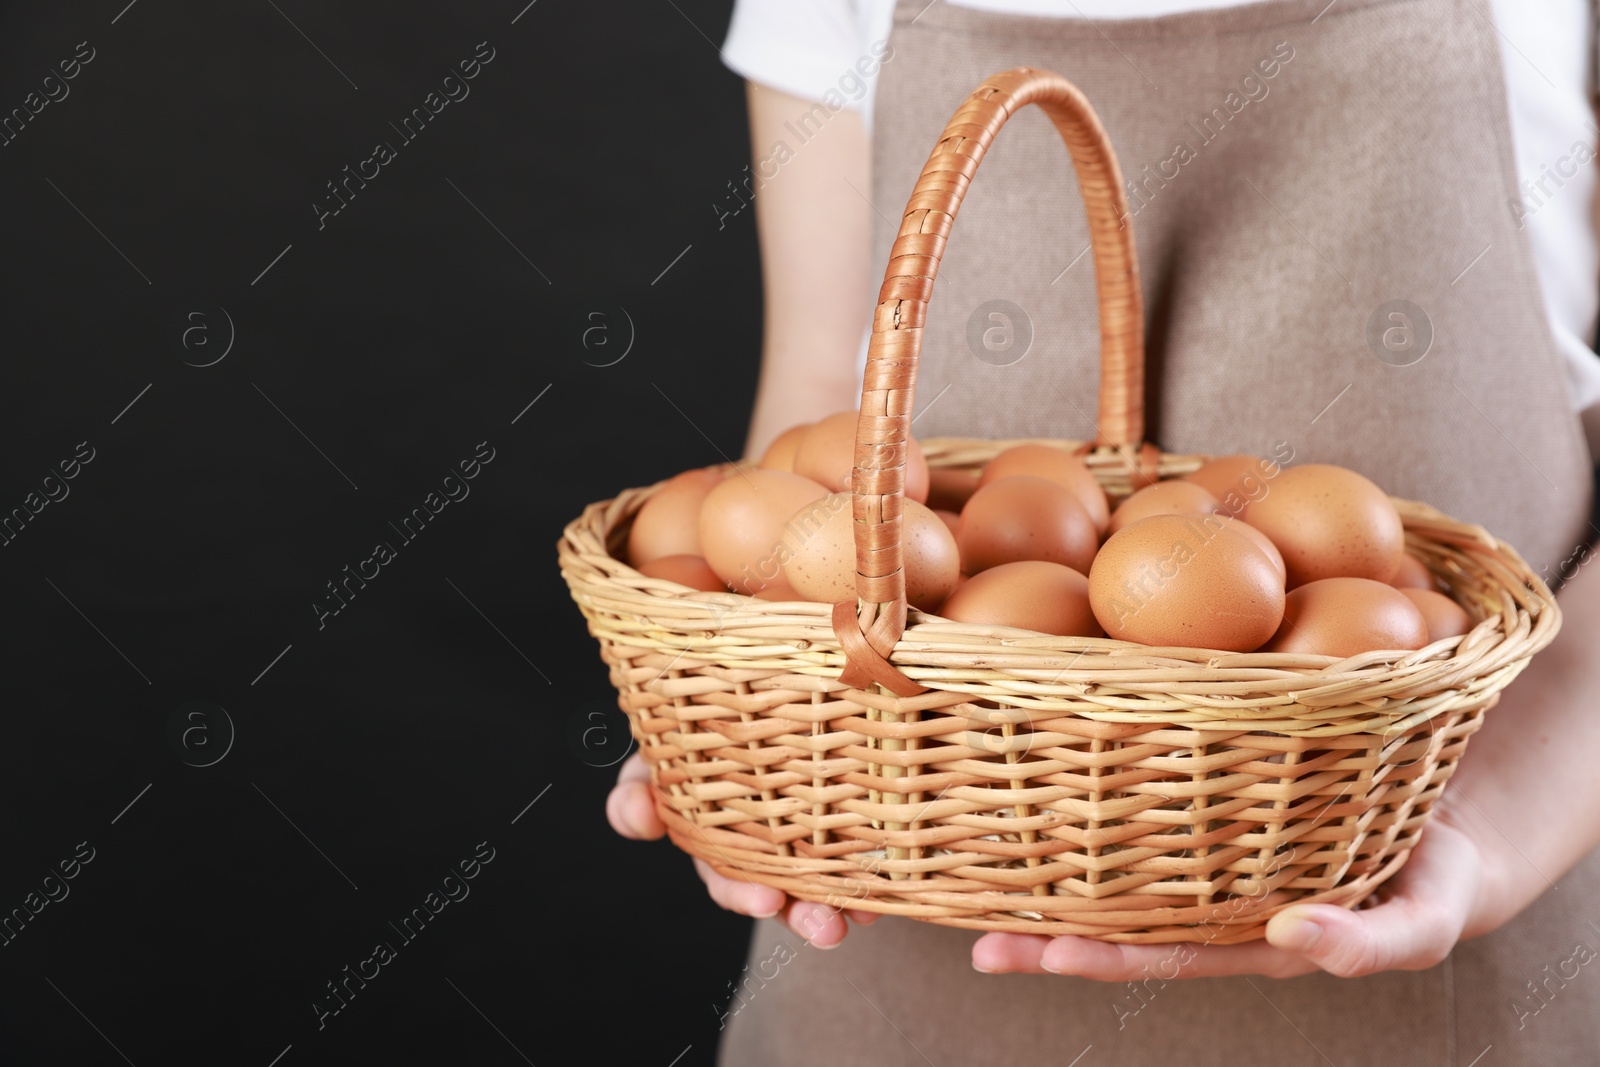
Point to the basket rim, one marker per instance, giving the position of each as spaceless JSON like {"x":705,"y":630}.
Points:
{"x":1117,"y":681}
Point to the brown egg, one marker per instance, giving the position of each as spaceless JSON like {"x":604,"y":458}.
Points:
{"x":1235,"y":480}
{"x":668,"y":523}
{"x":1025,"y":517}
{"x":692,"y":571}
{"x":827,"y":454}
{"x":779,"y":591}
{"x":742,"y":524}
{"x":1058,"y":465}
{"x":1329,"y":522}
{"x":1413,"y":574}
{"x":820,"y":553}
{"x":932,"y":560}
{"x":1029,"y":595}
{"x":1263,"y":542}
{"x":779,"y":455}
{"x":949,"y":489}
{"x":1346,"y":617}
{"x":1164,"y":498}
{"x":1443,"y":616}
{"x":819,"y":550}
{"x":951,"y":519}
{"x":1187,"y":581}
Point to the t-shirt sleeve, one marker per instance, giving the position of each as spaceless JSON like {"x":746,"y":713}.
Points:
{"x":796,"y":48}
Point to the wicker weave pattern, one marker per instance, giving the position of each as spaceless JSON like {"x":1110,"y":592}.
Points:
{"x":1047,"y":784}
{"x":868,"y":756}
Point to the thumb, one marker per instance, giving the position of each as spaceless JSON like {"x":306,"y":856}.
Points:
{"x":1414,"y":929}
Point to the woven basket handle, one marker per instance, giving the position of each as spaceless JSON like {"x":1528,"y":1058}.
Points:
{"x":868,"y":630}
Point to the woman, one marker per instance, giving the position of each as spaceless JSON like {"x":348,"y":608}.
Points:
{"x":1301,"y":172}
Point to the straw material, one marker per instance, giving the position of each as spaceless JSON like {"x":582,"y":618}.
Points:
{"x":1047,"y":784}
{"x":870,"y":756}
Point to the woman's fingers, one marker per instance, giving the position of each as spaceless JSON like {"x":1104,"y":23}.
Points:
{"x":630,"y":806}
{"x":820,"y":924}
{"x":1412,"y":930}
{"x":746,"y":898}
{"x":1105,"y":961}
{"x":1009,"y":953}
{"x":631,"y":810}
{"x":1426,"y":908}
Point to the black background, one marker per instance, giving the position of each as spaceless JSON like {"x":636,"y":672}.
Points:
{"x":375,"y":752}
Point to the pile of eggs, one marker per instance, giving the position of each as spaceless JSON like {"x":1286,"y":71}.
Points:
{"x":1241,"y":555}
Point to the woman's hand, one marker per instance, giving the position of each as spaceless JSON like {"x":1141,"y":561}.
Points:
{"x":1447,"y":890}
{"x":631,"y":810}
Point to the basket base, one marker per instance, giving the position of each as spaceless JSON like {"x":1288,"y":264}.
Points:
{"x":1132,"y":918}
{"x":1223,"y":891}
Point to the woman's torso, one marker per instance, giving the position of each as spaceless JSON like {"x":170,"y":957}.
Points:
{"x":1372,"y":165}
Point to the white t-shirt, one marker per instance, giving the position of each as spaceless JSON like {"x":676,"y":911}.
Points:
{"x":1548,"y":48}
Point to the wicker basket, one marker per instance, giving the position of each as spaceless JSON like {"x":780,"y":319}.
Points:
{"x":887,"y":760}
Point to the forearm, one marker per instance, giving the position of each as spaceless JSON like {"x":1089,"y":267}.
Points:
{"x":814,"y":225}
{"x":1527,"y":787}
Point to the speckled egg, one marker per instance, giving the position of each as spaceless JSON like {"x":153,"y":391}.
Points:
{"x":820,"y":553}
{"x":1330,"y":522}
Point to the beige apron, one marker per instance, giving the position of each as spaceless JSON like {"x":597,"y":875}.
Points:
{"x":1320,"y":197}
